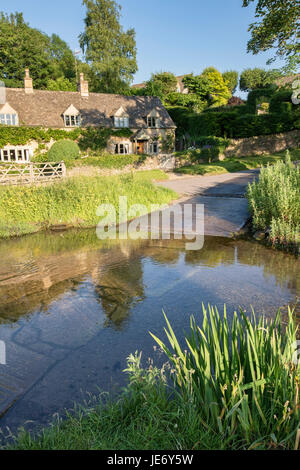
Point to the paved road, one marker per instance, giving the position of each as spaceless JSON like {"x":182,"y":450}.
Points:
{"x":225,"y":207}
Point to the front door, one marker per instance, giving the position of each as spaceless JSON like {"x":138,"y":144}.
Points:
{"x":140,"y":147}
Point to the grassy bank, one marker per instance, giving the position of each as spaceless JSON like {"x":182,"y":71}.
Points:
{"x":107,"y":161}
{"x":234,"y":164}
{"x":275,"y":204}
{"x":234,"y":387}
{"x":28,"y":209}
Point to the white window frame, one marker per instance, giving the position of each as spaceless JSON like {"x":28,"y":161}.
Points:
{"x":121,"y":121}
{"x":9,"y":119}
{"x":153,"y":146}
{"x":122,"y":148}
{"x":15,"y":155}
{"x":72,"y":120}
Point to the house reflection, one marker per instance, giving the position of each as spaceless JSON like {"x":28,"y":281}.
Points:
{"x":35,"y":271}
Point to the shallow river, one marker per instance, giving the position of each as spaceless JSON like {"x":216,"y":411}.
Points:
{"x":73,"y":308}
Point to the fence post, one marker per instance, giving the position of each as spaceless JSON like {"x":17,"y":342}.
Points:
{"x":31,"y":172}
{"x":63,"y":169}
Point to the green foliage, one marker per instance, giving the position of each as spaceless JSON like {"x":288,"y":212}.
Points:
{"x":61,"y":84}
{"x":232,"y":77}
{"x":49,"y":58}
{"x":109,"y":49}
{"x":280,"y":100}
{"x":232,"y":122}
{"x":108,"y":160}
{"x":161,"y":84}
{"x":278,"y":27}
{"x":258,"y":96}
{"x":96,"y":139}
{"x":210,"y":86}
{"x":191,"y":101}
{"x":27,"y":209}
{"x":23,"y":135}
{"x":240,"y":375}
{"x":275,"y":203}
{"x":251,"y":79}
{"x":230,"y":164}
{"x":66,"y":150}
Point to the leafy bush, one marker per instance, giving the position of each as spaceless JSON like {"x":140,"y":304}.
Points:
{"x":280,"y":100}
{"x":66,"y":150}
{"x":275,"y":203}
{"x":96,"y":139}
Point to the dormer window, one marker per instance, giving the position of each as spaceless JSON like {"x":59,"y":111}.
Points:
{"x":72,"y":121}
{"x":152,"y":122}
{"x":122,"y":121}
{"x":8,"y":116}
{"x":9,"y":119}
{"x":121,"y":118}
{"x":153,"y":119}
{"x":72,"y":117}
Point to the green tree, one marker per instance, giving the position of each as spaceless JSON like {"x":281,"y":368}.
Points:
{"x":232,"y":77}
{"x":165,"y":82}
{"x":210,"y":86}
{"x":61,"y":84}
{"x":22,"y":46}
{"x":252,"y":79}
{"x":109,"y":49}
{"x":277,"y":26}
{"x":49,"y":59}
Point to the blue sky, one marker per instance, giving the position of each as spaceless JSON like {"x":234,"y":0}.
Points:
{"x":181,"y":36}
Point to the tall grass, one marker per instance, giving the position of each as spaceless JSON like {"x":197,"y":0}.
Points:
{"x":241,"y":375}
{"x":275,"y":203}
{"x":27,"y":209}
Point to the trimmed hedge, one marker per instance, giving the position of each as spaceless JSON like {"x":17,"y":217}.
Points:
{"x":66,"y":150}
{"x":233,"y":124}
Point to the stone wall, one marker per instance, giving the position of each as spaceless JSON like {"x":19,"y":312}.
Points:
{"x":264,"y":144}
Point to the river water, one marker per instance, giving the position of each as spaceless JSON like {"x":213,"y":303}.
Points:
{"x":72,"y":308}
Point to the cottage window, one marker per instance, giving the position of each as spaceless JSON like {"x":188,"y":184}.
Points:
{"x":122,"y":121}
{"x":154,"y":148}
{"x":122,"y":149}
{"x":72,"y":121}
{"x":19,"y":155}
{"x":9,"y":119}
{"x":152,"y":122}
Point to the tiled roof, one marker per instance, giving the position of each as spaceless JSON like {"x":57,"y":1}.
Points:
{"x":45,"y":108}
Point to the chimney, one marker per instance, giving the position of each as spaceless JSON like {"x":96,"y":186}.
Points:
{"x":28,"y":82}
{"x":83,"y":86}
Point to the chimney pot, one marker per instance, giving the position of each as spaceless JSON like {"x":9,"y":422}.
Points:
{"x":28,"y":84}
{"x":83,"y":86}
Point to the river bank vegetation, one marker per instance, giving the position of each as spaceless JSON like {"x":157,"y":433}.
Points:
{"x":232,"y":385}
{"x":73,"y":202}
{"x":274,"y":202}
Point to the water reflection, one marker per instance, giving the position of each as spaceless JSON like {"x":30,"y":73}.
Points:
{"x":73,"y":308}
{"x":40,"y":269}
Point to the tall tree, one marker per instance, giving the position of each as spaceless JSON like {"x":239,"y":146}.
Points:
{"x":232,"y":77}
{"x":209,"y":86}
{"x":165,"y":82}
{"x":50,"y":60}
{"x":21,"y":47}
{"x":109,"y":49}
{"x":252,"y":79}
{"x":277,"y":26}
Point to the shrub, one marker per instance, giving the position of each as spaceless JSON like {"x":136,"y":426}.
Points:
{"x":63,"y":150}
{"x":275,"y":203}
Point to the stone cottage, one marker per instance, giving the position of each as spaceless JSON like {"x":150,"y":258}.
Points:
{"x":153,"y":131}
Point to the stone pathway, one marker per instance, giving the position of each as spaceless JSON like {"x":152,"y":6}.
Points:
{"x":223,"y":197}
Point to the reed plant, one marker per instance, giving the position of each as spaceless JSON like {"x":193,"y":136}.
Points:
{"x":241,"y":374}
